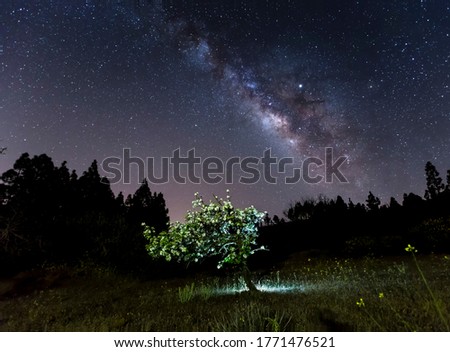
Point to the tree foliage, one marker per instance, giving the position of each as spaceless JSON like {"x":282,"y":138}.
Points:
{"x":214,"y":229}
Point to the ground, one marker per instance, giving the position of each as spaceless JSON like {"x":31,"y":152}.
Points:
{"x":305,"y":293}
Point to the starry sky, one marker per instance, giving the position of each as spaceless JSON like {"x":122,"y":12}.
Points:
{"x":82,"y":80}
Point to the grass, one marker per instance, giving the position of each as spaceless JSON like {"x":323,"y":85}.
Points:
{"x":302,"y":294}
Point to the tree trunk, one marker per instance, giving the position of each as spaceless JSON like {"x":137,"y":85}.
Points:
{"x":247,"y":279}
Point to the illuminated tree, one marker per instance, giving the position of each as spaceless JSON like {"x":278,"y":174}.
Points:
{"x":216,"y":229}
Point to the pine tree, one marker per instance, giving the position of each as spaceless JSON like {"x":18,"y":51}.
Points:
{"x":373,"y":203}
{"x":95,"y":190}
{"x":35,"y":196}
{"x":147,"y":207}
{"x":434,"y":182}
{"x":448,"y":180}
{"x":393,"y":204}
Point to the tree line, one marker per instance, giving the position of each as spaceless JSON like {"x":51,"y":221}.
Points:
{"x":370,"y":227}
{"x":49,"y":214}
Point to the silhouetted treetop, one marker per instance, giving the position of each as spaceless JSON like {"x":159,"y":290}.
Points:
{"x":34,"y":180}
{"x":147,"y":207}
{"x":373,"y":203}
{"x":49,"y":214}
{"x":434,"y":182}
{"x":340,"y":205}
{"x":448,"y":180}
{"x":95,"y":189}
{"x":393,"y":204}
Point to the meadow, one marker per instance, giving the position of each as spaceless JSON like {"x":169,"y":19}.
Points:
{"x":306,"y":292}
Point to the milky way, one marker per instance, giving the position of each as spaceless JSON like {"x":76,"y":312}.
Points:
{"x":278,"y":101}
{"x":82,"y":80}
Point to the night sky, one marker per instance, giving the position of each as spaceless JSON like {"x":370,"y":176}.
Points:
{"x":82,"y":80}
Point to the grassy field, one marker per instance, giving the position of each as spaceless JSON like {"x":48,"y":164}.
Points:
{"x":305,"y":293}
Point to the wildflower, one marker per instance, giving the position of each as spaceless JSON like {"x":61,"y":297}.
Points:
{"x":360,"y":303}
{"x":381,"y":295}
{"x":411,"y":249}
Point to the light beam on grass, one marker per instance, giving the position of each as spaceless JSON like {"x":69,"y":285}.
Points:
{"x":265,"y":287}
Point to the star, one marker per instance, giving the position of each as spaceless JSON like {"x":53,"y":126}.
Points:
{"x":229,"y":81}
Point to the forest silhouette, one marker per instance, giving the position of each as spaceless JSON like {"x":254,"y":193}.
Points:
{"x":50,"y":215}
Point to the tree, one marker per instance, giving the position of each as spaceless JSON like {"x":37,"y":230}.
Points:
{"x":34,"y":201}
{"x":276,"y":220}
{"x":393,"y":204}
{"x":434,"y":182}
{"x":448,"y":180}
{"x":373,"y":203}
{"x":267,"y":220}
{"x":150,"y":208}
{"x":301,"y":211}
{"x":141,"y":207}
{"x":413,"y":205}
{"x":340,"y":205}
{"x":217,"y":229}
{"x":94,"y":190}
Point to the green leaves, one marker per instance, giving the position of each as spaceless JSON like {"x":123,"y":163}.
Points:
{"x":211,"y":229}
